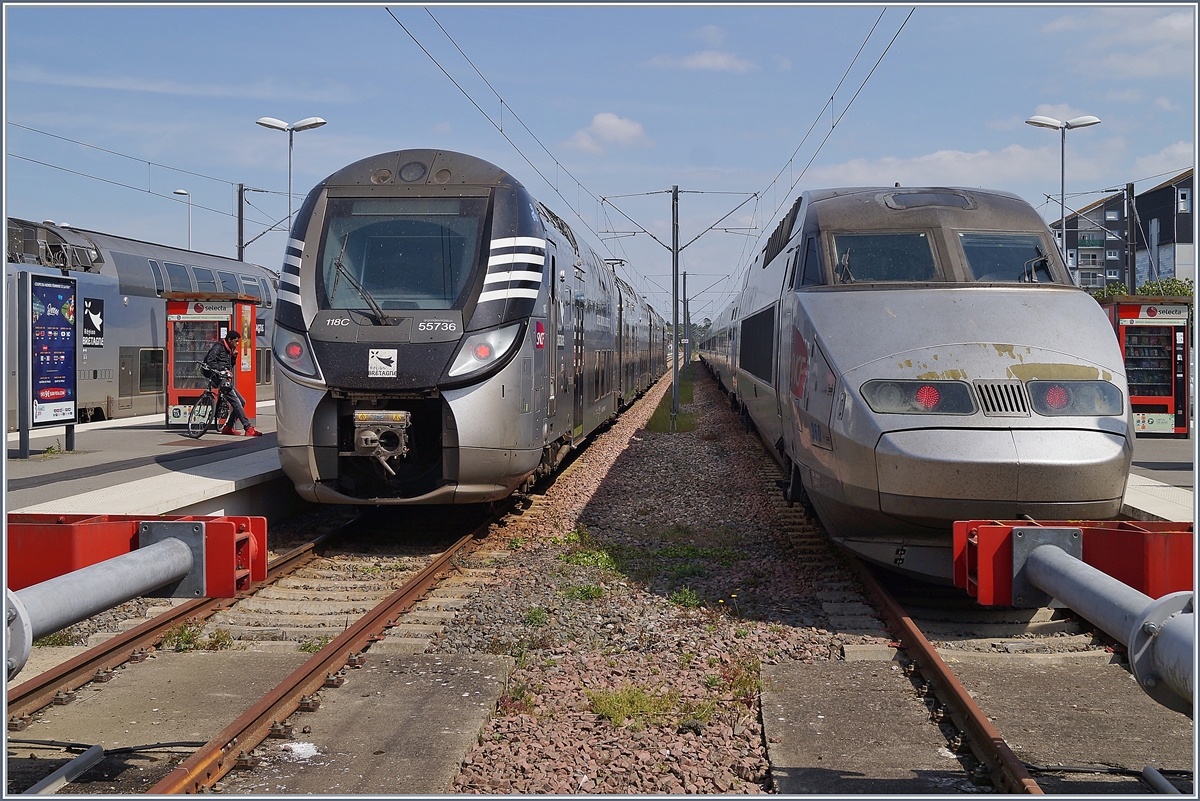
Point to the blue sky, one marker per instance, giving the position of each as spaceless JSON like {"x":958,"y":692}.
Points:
{"x":628,"y":100}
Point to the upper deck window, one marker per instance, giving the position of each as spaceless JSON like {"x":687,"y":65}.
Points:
{"x":864,"y":258}
{"x":1020,"y":258}
{"x":407,"y":253}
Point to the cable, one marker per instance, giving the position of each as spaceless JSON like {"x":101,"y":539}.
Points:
{"x":128,"y":186}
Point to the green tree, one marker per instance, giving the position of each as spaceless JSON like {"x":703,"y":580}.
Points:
{"x":1168,"y":286}
{"x":1110,"y":291}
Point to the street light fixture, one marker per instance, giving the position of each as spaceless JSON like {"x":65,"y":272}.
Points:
{"x":291,"y":128}
{"x":1049,"y":122}
{"x":189,"y":202}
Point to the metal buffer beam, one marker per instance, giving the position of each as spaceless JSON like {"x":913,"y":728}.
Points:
{"x":1090,"y":567}
{"x":181,"y":557}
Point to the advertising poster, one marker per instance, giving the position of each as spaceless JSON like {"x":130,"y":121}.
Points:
{"x":54,"y":341}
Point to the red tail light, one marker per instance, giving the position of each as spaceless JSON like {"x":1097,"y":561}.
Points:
{"x":927,"y":396}
{"x":1056,"y":397}
{"x":293,"y":350}
{"x":483,"y":351}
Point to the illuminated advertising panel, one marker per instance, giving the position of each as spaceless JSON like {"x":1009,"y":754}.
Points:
{"x":53,"y":312}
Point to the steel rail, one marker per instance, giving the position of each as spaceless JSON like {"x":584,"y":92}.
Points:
{"x":221,"y":754}
{"x":32,"y":695}
{"x":1007,"y":772}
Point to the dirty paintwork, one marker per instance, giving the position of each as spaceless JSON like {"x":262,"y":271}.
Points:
{"x":1055,"y":372}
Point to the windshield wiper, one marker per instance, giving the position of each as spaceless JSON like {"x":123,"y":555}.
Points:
{"x":843,"y":269}
{"x":1033,"y":265}
{"x":380,"y":315}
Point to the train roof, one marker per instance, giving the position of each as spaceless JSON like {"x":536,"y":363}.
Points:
{"x":931,"y":206}
{"x":422,"y":167}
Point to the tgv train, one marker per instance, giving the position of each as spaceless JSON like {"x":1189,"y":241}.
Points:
{"x":919,"y":356}
{"x":121,"y":283}
{"x":443,"y":338}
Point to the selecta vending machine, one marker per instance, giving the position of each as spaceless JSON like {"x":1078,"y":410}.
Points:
{"x":1155,"y":338}
{"x":194,"y":324}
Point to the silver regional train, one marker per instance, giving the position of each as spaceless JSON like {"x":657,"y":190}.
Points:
{"x":121,"y":286}
{"x":919,"y":356}
{"x":444,"y":338}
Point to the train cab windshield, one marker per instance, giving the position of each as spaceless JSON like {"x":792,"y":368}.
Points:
{"x":865,"y":258}
{"x":399,"y":253}
{"x":1014,"y":257}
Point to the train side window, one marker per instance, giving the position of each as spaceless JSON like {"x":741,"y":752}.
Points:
{"x":814,"y":270}
{"x":266,"y":292}
{"x":178,"y":275}
{"x":250,"y":286}
{"x":229,"y":283}
{"x":158,"y":279}
{"x":797,"y":263}
{"x":264,"y":366}
{"x":150,"y":370}
{"x":204,"y":280}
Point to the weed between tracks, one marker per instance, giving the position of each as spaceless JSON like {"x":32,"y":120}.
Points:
{"x":189,"y":636}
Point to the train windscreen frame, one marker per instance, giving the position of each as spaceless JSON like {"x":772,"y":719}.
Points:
{"x":891,"y":256}
{"x":405,"y":252}
{"x":1007,"y":257}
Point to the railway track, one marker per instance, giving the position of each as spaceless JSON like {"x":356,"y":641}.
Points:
{"x":333,"y":596}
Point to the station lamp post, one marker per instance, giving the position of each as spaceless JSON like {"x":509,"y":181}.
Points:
{"x":189,"y":202}
{"x":291,"y":128}
{"x":1049,"y":122}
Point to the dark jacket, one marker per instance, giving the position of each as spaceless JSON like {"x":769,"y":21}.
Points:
{"x":220,"y":356}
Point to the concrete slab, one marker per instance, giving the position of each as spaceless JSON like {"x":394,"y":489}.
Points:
{"x":1148,"y":499}
{"x":42,"y":659}
{"x":853,"y":727}
{"x":1079,"y":715}
{"x":399,"y":726}
{"x":170,"y":697}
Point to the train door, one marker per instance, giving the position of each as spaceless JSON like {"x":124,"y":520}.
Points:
{"x":554,"y":334}
{"x":127,"y":377}
{"x":577,"y":301}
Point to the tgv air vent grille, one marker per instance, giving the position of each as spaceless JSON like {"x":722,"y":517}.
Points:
{"x":1002,"y":398}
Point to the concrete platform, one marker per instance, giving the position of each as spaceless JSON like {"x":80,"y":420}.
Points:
{"x":853,"y":728}
{"x":138,"y":466}
{"x":399,"y":726}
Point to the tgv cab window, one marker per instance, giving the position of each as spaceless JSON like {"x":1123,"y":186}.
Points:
{"x":1020,"y":258}
{"x":405,"y":253}
{"x":863,"y":258}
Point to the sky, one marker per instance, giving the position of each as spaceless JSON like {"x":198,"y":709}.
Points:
{"x":598,"y":110}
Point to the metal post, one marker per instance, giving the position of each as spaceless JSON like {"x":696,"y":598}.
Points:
{"x":291,"y":134}
{"x":674,"y":304}
{"x":687,"y":330}
{"x":1159,"y":633}
{"x":241,"y":217}
{"x":45,"y":608}
{"x":1130,"y":240}
{"x":70,"y":438}
{"x":24,"y":361}
{"x":1062,"y":198}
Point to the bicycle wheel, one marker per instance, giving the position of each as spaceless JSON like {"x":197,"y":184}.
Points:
{"x":202,"y":416}
{"x":224,"y":410}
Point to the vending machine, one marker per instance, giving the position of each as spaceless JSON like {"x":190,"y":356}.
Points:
{"x":194,"y":324}
{"x":1155,"y":338}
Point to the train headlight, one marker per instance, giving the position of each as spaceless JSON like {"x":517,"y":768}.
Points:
{"x":918,"y":397}
{"x":294,"y":352}
{"x":482,"y":350}
{"x":1075,"y":398}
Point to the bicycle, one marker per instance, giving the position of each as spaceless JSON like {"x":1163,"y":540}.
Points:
{"x":211,"y":409}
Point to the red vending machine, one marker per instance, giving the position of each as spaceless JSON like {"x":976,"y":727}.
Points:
{"x":194,"y":324}
{"x":1155,"y":340}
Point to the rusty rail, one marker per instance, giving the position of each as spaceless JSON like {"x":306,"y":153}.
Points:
{"x":27,"y":698}
{"x":221,"y":754}
{"x":1006,"y":771}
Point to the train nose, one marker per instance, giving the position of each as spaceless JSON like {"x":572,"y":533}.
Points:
{"x":946,"y":474}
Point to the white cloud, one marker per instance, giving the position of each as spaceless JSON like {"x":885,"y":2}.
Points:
{"x":1165,"y":104}
{"x":608,"y":128}
{"x":781,"y":63}
{"x":262,"y":89}
{"x":1128,"y":43}
{"x":442,"y":127}
{"x":712,"y":60}
{"x":995,"y":169}
{"x":1125,"y":96}
{"x":1176,"y":157}
{"x":711,"y":35}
